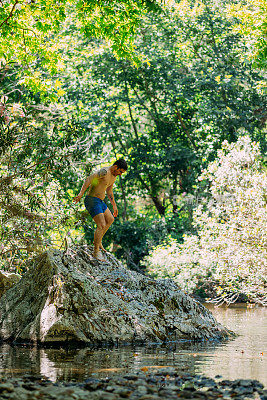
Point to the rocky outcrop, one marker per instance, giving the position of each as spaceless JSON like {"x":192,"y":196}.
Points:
{"x":70,"y":295}
{"x":7,"y":280}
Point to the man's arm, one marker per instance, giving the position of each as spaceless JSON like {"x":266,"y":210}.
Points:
{"x":112,"y":200}
{"x":86,"y":184}
{"x":91,"y":180}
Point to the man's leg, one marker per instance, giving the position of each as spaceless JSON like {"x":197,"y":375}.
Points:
{"x":99,"y":232}
{"x":109,"y":219}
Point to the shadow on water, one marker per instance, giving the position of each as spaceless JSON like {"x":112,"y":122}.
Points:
{"x":242,"y":357}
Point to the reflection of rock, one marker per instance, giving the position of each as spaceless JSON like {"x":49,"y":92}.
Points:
{"x":7,"y":280}
{"x":72,"y":296}
{"x":47,"y":367}
{"x":70,"y":363}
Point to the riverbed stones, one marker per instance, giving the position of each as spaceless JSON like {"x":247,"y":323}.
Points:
{"x":154,"y":387}
{"x":70,"y":296}
{"x":6,"y":387}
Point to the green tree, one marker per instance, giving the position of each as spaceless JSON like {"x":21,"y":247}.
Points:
{"x":171,"y":114}
{"x":68,"y":104}
{"x":40,"y":148}
{"x":28,"y":27}
{"x":227,"y":257}
{"x":251,"y":22}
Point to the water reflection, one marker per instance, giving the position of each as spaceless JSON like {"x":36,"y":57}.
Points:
{"x":78,"y":364}
{"x":243,"y":357}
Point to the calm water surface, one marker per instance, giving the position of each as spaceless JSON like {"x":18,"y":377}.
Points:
{"x":242,"y":357}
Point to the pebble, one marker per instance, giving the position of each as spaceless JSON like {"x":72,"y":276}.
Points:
{"x":131,"y":377}
{"x":6,"y":387}
{"x":157,"y":385}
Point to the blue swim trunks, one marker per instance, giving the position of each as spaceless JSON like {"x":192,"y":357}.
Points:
{"x":94,"y":205}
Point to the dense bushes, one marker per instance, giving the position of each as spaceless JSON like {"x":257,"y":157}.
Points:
{"x":132,"y":240}
{"x":227,"y":256}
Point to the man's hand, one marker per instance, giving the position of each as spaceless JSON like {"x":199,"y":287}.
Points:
{"x":115,"y":211}
{"x":77,"y":198}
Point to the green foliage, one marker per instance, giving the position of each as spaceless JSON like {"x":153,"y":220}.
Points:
{"x":228,"y":254}
{"x":130,"y":240}
{"x":169,"y":116}
{"x":164,"y":90}
{"x":251,"y":23}
{"x":39,"y":150}
{"x":28,"y":28}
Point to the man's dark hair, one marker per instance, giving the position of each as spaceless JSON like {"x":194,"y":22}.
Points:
{"x":121,"y":163}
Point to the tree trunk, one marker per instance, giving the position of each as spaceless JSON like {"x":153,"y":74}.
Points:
{"x":124,"y":213}
{"x":161,"y":209}
{"x":173,"y":193}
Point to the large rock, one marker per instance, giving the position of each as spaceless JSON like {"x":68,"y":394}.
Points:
{"x":71,"y":296}
{"x":7,"y":280}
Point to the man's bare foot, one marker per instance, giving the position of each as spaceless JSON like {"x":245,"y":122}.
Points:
{"x":102,"y":248}
{"x":97,"y":255}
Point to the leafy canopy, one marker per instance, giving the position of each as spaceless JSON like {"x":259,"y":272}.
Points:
{"x":28,"y":27}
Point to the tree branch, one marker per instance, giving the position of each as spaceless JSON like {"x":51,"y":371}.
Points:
{"x":10,"y":15}
{"x":128,"y":103}
{"x":184,"y":127}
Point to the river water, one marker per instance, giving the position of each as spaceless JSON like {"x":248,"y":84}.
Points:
{"x":241,"y":357}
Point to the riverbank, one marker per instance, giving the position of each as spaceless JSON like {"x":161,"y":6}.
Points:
{"x":243,"y":357}
{"x":164,"y":383}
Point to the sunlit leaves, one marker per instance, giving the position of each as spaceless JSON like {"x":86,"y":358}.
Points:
{"x":228,"y":254}
{"x":27,"y":28}
{"x":250,"y":22}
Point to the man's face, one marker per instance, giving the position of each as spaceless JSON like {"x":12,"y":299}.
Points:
{"x":118,"y":171}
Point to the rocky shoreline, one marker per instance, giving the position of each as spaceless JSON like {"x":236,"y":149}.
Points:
{"x":163,"y":383}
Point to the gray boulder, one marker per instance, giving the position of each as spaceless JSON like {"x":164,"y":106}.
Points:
{"x":7,"y":280}
{"x":70,"y":296}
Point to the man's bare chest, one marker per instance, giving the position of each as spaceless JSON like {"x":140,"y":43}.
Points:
{"x":107,"y":180}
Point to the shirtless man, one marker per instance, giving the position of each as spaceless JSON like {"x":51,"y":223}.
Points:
{"x":100,"y":182}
